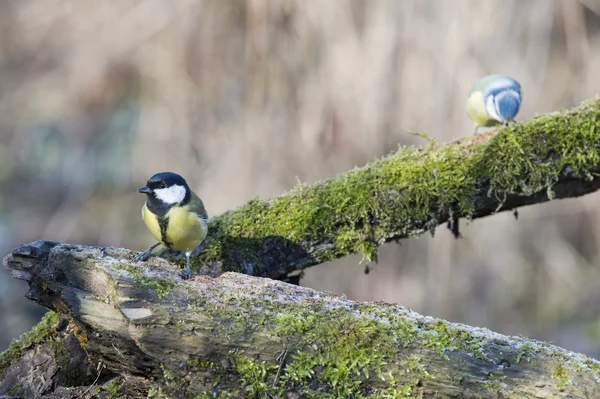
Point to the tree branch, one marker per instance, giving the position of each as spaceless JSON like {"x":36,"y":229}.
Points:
{"x":252,"y":337}
{"x":408,"y":193}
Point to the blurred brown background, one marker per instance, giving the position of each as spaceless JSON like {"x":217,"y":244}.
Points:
{"x":244,"y":98}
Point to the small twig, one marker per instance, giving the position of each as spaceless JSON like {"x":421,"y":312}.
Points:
{"x":281,"y":356}
{"x":118,"y":351}
{"x":99,"y":368}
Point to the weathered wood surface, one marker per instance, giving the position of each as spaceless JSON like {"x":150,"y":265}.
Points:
{"x":254,"y":337}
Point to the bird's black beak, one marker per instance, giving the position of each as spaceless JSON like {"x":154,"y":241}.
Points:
{"x":144,"y":190}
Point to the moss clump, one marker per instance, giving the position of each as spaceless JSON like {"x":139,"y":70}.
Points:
{"x":336,"y":351}
{"x":414,"y":365}
{"x":560,"y":373}
{"x":495,"y":383}
{"x":443,"y":337}
{"x":254,"y":375}
{"x":113,"y":388}
{"x":396,"y":392}
{"x":526,"y":351}
{"x":160,"y":286}
{"x":540,"y":151}
{"x":44,"y":331}
{"x":594,"y":367}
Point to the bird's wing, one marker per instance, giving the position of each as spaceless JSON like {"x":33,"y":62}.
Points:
{"x":483,"y":83}
{"x":195,"y":205}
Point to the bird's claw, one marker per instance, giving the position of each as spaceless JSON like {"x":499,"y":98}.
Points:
{"x":185,"y":274}
{"x":143,"y":256}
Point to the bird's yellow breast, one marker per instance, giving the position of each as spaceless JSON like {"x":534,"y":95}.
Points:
{"x":178,"y":229}
{"x":477,"y":111}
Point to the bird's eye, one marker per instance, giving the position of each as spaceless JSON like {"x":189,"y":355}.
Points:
{"x":161,"y":185}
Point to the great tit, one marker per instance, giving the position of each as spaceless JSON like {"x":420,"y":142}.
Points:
{"x":494,"y":100}
{"x":174,"y":214}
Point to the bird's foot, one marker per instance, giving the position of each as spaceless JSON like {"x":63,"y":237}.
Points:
{"x":185,"y":274}
{"x":143,"y":256}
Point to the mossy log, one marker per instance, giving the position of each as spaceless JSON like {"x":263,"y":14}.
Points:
{"x":131,"y":329}
{"x":140,"y":330}
{"x":408,"y":193}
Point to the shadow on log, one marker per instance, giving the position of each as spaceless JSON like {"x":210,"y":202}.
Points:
{"x":138,"y":329}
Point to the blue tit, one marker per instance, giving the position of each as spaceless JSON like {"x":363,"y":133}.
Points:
{"x":494,"y":100}
{"x":174,"y":214}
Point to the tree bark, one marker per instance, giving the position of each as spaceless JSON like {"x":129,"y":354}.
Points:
{"x":140,"y":330}
{"x":131,"y":329}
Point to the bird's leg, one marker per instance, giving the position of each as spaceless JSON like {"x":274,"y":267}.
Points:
{"x":185,"y":274}
{"x":476,"y":129}
{"x":143,"y":256}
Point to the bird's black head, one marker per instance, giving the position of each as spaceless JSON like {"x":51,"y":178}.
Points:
{"x":165,"y":180}
{"x":164,"y":190}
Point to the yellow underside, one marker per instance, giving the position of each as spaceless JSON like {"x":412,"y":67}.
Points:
{"x":477,"y":112}
{"x":184,"y":230}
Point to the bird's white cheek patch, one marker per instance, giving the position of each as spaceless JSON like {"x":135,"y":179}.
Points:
{"x":171,"y":195}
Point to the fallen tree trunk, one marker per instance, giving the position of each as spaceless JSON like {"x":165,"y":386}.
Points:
{"x":242,"y":336}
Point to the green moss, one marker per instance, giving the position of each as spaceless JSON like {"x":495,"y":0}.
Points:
{"x":335,"y":351}
{"x":396,"y":392}
{"x":403,"y":329}
{"x":197,"y":304}
{"x":201,"y":364}
{"x":170,"y":384}
{"x":254,"y":375}
{"x":439,"y":338}
{"x":526,"y":351}
{"x":443,"y":337}
{"x":42,"y":332}
{"x":338,"y":352}
{"x":594,"y":366}
{"x":170,"y":379}
{"x":160,"y":286}
{"x":113,"y":388}
{"x":561,"y":374}
{"x":345,"y":347}
{"x":414,"y":365}
{"x":495,"y":383}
